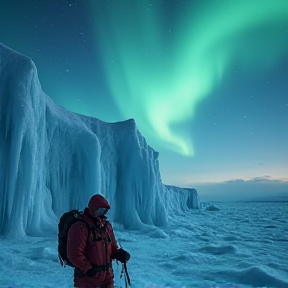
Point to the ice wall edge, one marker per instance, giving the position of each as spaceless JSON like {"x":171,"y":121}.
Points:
{"x":52,"y":160}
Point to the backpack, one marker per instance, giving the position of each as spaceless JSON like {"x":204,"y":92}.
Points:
{"x":65,"y":222}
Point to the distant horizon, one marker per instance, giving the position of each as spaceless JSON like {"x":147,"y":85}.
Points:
{"x":246,"y":201}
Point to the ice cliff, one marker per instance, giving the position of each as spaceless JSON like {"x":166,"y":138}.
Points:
{"x":52,"y":160}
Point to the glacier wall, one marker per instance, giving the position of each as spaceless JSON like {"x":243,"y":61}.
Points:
{"x":53,"y":160}
{"x":187,"y":198}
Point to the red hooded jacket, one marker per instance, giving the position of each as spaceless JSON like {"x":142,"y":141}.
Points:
{"x":95,"y":247}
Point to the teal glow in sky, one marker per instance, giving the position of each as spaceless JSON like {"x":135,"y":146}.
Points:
{"x":202,"y":78}
{"x":158,"y":75}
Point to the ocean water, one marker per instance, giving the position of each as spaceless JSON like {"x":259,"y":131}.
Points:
{"x":220,"y":245}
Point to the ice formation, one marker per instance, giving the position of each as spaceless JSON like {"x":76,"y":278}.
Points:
{"x":53,"y":160}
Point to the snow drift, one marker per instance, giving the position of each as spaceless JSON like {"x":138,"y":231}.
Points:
{"x":52,"y":160}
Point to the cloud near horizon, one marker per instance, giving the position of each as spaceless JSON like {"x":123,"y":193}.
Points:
{"x":240,"y":189}
{"x":262,"y":179}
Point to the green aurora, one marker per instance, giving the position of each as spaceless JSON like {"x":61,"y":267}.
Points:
{"x":159,"y":69}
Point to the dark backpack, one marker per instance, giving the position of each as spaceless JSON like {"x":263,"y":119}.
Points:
{"x":65,"y":222}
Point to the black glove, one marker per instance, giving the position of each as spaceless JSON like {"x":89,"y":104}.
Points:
{"x":92,"y":271}
{"x":121,"y":255}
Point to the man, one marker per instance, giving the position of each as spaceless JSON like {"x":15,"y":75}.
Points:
{"x":91,"y":250}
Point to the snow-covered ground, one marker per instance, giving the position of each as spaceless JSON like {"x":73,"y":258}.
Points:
{"x":241,"y":245}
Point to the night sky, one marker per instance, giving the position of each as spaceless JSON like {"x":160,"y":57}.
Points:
{"x":206,"y":81}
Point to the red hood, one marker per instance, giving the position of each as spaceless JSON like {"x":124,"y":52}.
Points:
{"x":97,"y":201}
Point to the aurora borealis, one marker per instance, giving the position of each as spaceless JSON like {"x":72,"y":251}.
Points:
{"x":205,"y":81}
{"x":149,"y":79}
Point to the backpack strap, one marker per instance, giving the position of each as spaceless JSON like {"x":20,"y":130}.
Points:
{"x":88,"y":227}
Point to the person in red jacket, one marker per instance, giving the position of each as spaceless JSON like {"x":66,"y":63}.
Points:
{"x":91,"y":250}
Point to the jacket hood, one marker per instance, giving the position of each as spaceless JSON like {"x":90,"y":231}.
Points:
{"x":97,"y":201}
